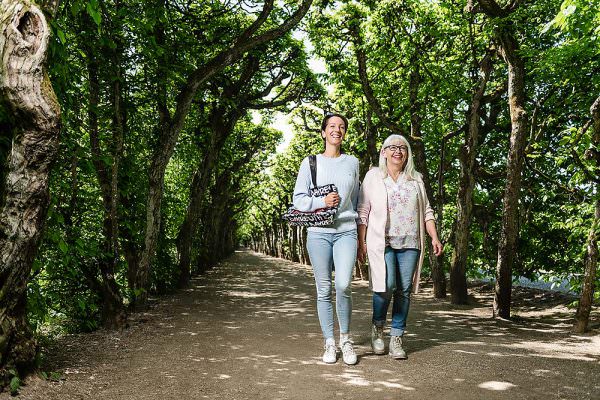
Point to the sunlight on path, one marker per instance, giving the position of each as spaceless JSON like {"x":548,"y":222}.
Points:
{"x":495,"y":385}
{"x":248,"y":329}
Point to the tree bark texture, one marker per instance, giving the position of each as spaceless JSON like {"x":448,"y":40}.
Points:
{"x":26,"y":89}
{"x":586,"y":298}
{"x":464,"y":196}
{"x":509,"y":233}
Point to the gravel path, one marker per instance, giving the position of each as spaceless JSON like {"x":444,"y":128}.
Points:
{"x":248,"y":330}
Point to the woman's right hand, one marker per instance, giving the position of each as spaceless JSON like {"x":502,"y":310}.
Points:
{"x":332,"y":199}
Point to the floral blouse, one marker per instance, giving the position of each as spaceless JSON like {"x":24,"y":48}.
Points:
{"x":402,"y":228}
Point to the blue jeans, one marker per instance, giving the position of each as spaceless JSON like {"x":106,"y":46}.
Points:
{"x":325,"y":249}
{"x":400,"y":267}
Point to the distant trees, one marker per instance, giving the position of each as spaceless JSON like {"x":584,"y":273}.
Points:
{"x":166,"y":162}
{"x":496,"y":119}
{"x":158,"y":150}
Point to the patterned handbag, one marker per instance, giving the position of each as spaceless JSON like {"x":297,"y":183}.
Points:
{"x":319,"y":217}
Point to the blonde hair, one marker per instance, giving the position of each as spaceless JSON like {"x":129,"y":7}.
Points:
{"x":409,"y":168}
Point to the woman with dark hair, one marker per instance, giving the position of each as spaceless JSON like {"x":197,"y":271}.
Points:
{"x":394,"y":214}
{"x":335,"y":243}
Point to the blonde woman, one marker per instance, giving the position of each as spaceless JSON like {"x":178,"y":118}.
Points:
{"x":394,"y":214}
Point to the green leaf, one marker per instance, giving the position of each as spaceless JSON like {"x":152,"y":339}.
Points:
{"x":55,"y":376}
{"x":61,"y":36}
{"x":15,"y":385}
{"x":63,"y":246}
{"x":564,"y":140}
{"x":94,"y":12}
{"x":37,"y":265}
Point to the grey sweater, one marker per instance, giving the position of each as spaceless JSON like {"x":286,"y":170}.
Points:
{"x":343,"y":173}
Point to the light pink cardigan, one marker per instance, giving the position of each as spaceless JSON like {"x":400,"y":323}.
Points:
{"x":373,"y":212}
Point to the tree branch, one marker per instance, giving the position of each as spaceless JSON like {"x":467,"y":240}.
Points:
{"x":589,"y":175}
{"x":496,"y":94}
{"x":550,"y":179}
{"x":226,"y":57}
{"x":306,"y":126}
{"x":492,"y":9}
{"x":374,"y":103}
{"x":251,"y":30}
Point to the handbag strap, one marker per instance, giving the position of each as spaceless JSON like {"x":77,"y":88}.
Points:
{"x":312,"y":161}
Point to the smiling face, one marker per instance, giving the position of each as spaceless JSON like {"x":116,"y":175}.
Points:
{"x":334,"y":131}
{"x":396,"y":154}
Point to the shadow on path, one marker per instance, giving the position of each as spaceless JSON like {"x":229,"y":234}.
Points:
{"x":248,"y":330}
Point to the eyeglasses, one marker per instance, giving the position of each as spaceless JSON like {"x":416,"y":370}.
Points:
{"x":393,"y":148}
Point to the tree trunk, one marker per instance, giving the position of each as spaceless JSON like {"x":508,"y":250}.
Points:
{"x":156,"y":182}
{"x":464,"y":197}
{"x":507,"y":246}
{"x":116,"y":316}
{"x":294,"y":244}
{"x":274,"y":244}
{"x":304,"y":248}
{"x":279,"y":239}
{"x":586,"y":298}
{"x":438,"y":275}
{"x":371,"y":138}
{"x":436,"y":263}
{"x":222,"y":125}
{"x":300,"y":248}
{"x":370,"y":156}
{"x":26,"y":89}
{"x":6,"y":136}
{"x":113,"y":312}
{"x":591,"y":259}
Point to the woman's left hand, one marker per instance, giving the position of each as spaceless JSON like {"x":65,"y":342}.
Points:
{"x":361,"y":253}
{"x":437,"y":247}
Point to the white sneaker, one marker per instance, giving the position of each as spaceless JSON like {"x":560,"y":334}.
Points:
{"x":348,"y":354}
{"x":330,"y":354}
{"x":377,"y":343}
{"x":396,"y":350}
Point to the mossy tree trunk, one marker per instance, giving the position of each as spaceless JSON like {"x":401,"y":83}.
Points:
{"x":586,"y":298}
{"x":28,"y":94}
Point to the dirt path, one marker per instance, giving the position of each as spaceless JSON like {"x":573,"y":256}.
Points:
{"x":248,"y":330}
